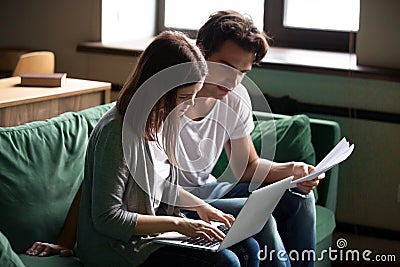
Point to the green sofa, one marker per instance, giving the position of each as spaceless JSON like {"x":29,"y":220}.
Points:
{"x":41,"y":168}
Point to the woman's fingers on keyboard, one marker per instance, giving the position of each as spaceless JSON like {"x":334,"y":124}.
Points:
{"x":211,"y":231}
{"x":217,"y":233}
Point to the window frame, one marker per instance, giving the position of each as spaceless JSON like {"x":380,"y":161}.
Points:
{"x":338,"y":41}
{"x":160,"y":19}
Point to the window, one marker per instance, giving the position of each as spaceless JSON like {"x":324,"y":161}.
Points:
{"x":123,"y":20}
{"x":309,"y":24}
{"x":191,"y":15}
{"x":338,"y":15}
{"x":313,"y":30}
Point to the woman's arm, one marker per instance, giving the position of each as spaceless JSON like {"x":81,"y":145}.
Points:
{"x":205,"y":211}
{"x":148,"y":224}
{"x":189,"y":201}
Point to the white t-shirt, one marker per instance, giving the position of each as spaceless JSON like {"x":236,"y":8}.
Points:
{"x":201,"y":142}
{"x":162,"y":170}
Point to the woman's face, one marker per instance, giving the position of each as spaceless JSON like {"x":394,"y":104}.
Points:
{"x":185,"y":96}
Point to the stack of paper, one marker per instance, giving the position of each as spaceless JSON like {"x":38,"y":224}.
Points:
{"x":338,"y":154}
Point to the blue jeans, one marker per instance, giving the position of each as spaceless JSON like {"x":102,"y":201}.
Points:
{"x":290,"y":228}
{"x":244,"y":254}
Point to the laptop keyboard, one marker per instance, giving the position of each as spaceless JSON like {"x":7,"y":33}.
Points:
{"x":199,"y":241}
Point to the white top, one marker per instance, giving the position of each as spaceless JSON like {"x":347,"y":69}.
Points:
{"x":201,"y":142}
{"x":161,"y":171}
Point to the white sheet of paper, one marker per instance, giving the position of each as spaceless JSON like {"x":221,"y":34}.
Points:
{"x":337,"y":155}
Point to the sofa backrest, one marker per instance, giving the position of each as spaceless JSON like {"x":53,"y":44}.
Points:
{"x":41,"y":168}
{"x":92,"y":115}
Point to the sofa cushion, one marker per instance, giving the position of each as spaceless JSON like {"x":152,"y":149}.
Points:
{"x":7,"y":255}
{"x":41,"y":168}
{"x":293,"y":141}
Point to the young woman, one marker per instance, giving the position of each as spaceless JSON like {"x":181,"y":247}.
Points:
{"x":130,"y":191}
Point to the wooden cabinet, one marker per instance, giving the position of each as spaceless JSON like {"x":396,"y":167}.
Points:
{"x":20,"y":104}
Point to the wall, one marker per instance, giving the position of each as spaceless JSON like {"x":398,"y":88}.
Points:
{"x":368,"y":180}
{"x":59,"y":26}
{"x":378,"y":39}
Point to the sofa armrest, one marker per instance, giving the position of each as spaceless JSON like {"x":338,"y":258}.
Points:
{"x":7,"y":256}
{"x":325,"y":134}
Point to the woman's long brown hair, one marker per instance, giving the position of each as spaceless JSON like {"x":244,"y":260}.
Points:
{"x":167,"y":49}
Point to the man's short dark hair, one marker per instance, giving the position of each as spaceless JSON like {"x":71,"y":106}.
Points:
{"x":231,"y":25}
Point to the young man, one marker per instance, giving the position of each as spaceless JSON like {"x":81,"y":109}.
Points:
{"x":222,"y":119}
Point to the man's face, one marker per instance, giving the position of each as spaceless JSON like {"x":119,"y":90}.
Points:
{"x":224,"y":78}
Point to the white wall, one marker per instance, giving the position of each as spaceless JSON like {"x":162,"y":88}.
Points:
{"x":378,"y":38}
{"x":59,"y":26}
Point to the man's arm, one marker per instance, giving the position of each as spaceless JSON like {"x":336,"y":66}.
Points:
{"x":249,"y":167}
{"x":67,"y":238}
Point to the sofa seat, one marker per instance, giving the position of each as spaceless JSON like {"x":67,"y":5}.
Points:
{"x":325,"y":223}
{"x":52,"y":261}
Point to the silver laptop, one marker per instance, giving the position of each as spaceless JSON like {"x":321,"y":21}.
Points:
{"x":250,"y":220}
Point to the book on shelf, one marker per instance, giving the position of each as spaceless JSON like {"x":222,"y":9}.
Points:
{"x":45,"y":80}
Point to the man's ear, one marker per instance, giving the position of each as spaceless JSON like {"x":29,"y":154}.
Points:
{"x":201,"y":47}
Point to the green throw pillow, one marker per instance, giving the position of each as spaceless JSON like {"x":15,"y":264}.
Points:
{"x":41,"y":168}
{"x":293,"y":138}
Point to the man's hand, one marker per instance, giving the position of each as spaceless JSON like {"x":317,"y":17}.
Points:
{"x":301,"y":169}
{"x":46,"y":249}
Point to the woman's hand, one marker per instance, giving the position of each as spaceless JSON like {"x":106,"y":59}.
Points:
{"x":46,"y":249}
{"x":199,"y":228}
{"x":301,"y":169}
{"x":208,"y":213}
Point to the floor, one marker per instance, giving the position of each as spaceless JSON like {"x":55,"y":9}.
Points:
{"x":349,"y":245}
